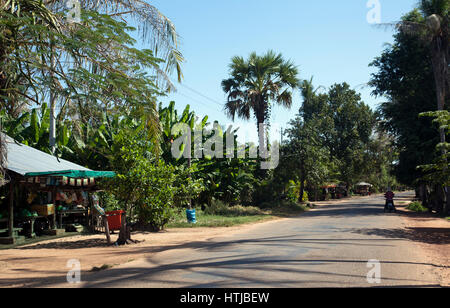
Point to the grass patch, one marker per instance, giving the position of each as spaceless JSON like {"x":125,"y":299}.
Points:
{"x":221,"y":215}
{"x":101,"y":268}
{"x":417,"y":207}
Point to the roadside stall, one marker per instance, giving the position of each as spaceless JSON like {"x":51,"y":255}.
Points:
{"x":46,"y":195}
{"x":363,"y":189}
{"x":341,"y":191}
{"x":328,"y":192}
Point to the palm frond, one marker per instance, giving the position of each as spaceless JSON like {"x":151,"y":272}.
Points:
{"x":155,"y":29}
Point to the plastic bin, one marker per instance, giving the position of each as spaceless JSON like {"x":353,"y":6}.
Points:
{"x":191,"y":216}
{"x":114,"y":220}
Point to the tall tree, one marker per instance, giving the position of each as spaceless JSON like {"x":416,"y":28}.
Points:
{"x":432,"y":28}
{"x":41,"y":52}
{"x":305,"y":150}
{"x":352,"y":123}
{"x":256,"y":84}
{"x":406,"y":77}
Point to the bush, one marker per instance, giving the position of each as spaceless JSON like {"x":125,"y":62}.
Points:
{"x":305,"y":196}
{"x":220,"y":208}
{"x":108,"y":201}
{"x":417,"y":207}
{"x":293,"y":192}
{"x":147,"y":187}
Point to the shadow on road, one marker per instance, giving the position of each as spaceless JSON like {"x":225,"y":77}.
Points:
{"x":223,"y":270}
{"x":438,"y":236}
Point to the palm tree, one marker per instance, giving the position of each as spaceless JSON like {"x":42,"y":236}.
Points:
{"x":256,"y":84}
{"x":433,"y":30}
{"x":312,"y":101}
{"x":156,"y":29}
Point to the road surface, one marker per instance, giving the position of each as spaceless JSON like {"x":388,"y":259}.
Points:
{"x":329,"y":246}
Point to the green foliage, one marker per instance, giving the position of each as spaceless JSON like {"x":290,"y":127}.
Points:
{"x":145,"y":186}
{"x":439,"y":171}
{"x":230,"y":180}
{"x":293,"y":191}
{"x":256,"y":84}
{"x":218,"y":207}
{"x":328,"y":141}
{"x":417,"y":207}
{"x":405,"y":76}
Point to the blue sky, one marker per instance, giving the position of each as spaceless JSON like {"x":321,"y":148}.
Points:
{"x":330,"y":40}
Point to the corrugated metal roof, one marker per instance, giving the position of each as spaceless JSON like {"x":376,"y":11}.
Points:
{"x":23,"y":159}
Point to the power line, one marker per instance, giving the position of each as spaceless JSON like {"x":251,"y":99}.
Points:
{"x":199,"y":102}
{"x":201,"y":94}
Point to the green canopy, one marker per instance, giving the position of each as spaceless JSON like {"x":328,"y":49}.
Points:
{"x":75,"y":174}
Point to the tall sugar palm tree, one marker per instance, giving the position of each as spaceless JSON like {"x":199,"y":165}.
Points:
{"x":256,"y":84}
{"x":433,"y":30}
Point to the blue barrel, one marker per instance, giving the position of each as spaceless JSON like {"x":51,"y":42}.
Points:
{"x":191,"y":216}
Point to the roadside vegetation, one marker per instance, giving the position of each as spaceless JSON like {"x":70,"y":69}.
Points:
{"x":417,"y":207}
{"x":220,"y":214}
{"x":104,"y":94}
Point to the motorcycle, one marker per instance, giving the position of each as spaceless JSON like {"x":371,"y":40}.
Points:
{"x":389,"y":207}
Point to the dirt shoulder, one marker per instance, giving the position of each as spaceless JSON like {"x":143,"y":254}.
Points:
{"x":432,"y":234}
{"x":45,"y":263}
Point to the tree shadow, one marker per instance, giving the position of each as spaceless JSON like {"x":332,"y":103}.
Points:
{"x":77,"y":244}
{"x":437,"y":236}
{"x":223,"y":271}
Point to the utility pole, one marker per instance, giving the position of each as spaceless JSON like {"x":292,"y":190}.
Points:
{"x":52,"y":138}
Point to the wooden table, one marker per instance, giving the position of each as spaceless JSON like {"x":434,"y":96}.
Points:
{"x":30,"y":220}
{"x":62,"y":214}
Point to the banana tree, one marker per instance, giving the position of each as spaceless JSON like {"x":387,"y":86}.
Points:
{"x":169,"y":120}
{"x":32,"y":128}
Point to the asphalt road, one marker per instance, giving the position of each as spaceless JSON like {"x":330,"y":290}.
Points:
{"x":326,"y":247}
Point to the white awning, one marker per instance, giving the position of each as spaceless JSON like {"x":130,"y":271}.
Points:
{"x":23,"y":159}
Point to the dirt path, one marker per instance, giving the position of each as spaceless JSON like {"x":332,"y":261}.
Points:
{"x":433,"y":236}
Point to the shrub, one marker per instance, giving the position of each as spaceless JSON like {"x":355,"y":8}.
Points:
{"x":147,"y":187}
{"x":293,"y":192}
{"x":305,"y":196}
{"x":220,"y":208}
{"x":417,"y":207}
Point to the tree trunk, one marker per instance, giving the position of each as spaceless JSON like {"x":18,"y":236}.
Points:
{"x":447,"y":201}
{"x":440,"y":69}
{"x":302,"y":179}
{"x":108,"y":236}
{"x":440,"y":196}
{"x":125,"y":232}
{"x":3,"y":156}
{"x":124,"y":235}
{"x":263,"y":152}
{"x":52,"y":131}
